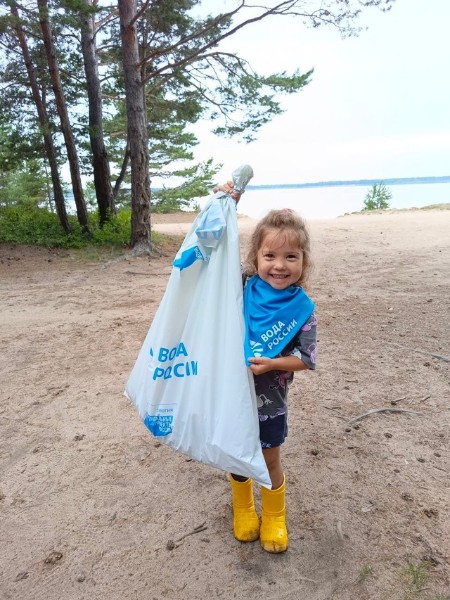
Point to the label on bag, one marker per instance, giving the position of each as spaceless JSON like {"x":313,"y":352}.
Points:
{"x":170,"y":363}
{"x":160,"y":424}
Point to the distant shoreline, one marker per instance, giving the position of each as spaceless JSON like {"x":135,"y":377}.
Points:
{"x":165,"y":221}
{"x":355,"y":182}
{"x":385,"y":211}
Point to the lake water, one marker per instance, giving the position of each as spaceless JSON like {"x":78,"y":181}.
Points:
{"x":334,"y":201}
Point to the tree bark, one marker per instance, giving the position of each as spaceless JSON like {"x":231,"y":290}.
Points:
{"x":44,"y":125}
{"x":123,"y":171}
{"x":100,"y":162}
{"x":137,"y":128}
{"x":66,"y":128}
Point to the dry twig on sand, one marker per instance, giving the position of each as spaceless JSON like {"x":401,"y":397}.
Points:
{"x":424,"y":352}
{"x":384,"y":410}
{"x":171,"y":545}
{"x":438,"y":356}
{"x":334,"y":411}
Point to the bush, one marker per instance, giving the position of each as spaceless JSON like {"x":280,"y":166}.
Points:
{"x":377,"y":197}
{"x":40,"y":227}
{"x":37,"y":227}
{"x":116,"y":230}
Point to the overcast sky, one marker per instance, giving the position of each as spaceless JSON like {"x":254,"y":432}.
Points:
{"x":378,"y":105}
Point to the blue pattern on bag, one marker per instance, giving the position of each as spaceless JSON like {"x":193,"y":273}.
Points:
{"x":159,"y":425}
{"x":188,"y":257}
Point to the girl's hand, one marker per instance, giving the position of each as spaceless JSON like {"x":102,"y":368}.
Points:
{"x":228,"y":188}
{"x":260,"y":365}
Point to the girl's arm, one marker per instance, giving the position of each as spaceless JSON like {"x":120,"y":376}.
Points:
{"x":301,"y":356}
{"x":262,"y":364}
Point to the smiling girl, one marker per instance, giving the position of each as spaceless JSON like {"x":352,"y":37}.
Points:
{"x":280,"y":339}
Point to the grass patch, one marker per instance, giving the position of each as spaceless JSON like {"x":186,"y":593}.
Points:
{"x":96,"y":253}
{"x":416,"y":574}
{"x":364,"y":573}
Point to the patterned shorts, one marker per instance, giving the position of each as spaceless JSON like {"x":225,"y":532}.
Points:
{"x":273,"y":431}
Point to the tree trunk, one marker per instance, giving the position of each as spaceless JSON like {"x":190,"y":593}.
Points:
{"x":137,"y":128}
{"x":122,"y":173}
{"x":44,"y":124}
{"x":100,"y":162}
{"x":66,"y":128}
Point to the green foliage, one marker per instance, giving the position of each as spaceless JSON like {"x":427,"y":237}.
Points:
{"x":40,"y":227}
{"x":246,"y":100}
{"x":34,"y":226}
{"x":116,"y":230}
{"x":197,"y":181}
{"x":377,"y":197}
{"x":16,"y":100}
{"x":417,"y":574}
{"x":24,"y":186}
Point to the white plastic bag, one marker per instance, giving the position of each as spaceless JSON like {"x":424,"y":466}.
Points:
{"x":190,"y":383}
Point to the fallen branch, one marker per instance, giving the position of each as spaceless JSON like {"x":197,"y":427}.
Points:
{"x":424,"y":352}
{"x":333,"y":410}
{"x":171,"y":545}
{"x":439,"y":356}
{"x":136,"y":273}
{"x":302,"y":578}
{"x":197,"y":529}
{"x":394,"y":402}
{"x":384,"y":410}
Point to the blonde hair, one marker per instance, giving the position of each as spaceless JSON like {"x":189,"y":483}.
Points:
{"x":286,"y":222}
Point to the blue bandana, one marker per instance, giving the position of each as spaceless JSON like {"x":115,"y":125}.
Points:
{"x":272,"y":317}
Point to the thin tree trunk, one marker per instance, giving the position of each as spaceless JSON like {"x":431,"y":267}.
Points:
{"x":44,"y":124}
{"x":123,"y":170}
{"x":47,"y":187}
{"x":66,"y":128}
{"x":137,"y":128}
{"x":100,"y":162}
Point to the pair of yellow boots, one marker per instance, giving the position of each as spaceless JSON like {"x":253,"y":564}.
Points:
{"x":246,"y":527}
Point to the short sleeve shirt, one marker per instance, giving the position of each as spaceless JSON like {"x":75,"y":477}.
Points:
{"x":272,"y":387}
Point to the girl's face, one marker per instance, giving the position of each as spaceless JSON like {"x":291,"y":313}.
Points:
{"x":280,"y":260}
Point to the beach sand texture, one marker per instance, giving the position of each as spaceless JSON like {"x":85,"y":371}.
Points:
{"x":92,"y":507}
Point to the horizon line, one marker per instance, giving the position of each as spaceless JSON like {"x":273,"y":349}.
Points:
{"x":332,"y":183}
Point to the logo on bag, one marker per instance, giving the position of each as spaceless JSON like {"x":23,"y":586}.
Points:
{"x":178,"y":367}
{"x":189,"y":257}
{"x":159,"y":425}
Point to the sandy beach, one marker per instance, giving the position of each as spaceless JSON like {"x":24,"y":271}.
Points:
{"x":92,"y":507}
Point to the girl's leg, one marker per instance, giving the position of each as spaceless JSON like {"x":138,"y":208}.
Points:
{"x":273,"y":532}
{"x":272,"y":456}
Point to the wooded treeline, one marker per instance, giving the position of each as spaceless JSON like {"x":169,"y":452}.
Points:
{"x":112,"y":90}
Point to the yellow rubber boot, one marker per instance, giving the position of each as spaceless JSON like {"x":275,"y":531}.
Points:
{"x":245,"y":519}
{"x":273,"y":533}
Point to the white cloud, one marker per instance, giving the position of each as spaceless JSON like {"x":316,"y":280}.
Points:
{"x":377,"y":105}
